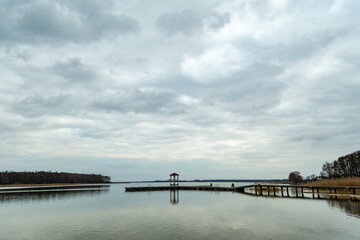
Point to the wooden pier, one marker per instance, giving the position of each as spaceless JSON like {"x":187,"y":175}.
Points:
{"x":299,"y":191}
{"x":193,"y":188}
{"x":290,"y":191}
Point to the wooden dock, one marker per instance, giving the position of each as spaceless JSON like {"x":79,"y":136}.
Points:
{"x":192,"y":188}
{"x":299,"y":191}
{"x":290,"y":191}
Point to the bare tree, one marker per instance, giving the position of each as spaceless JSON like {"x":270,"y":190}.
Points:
{"x":295,"y":177}
{"x":344,"y":166}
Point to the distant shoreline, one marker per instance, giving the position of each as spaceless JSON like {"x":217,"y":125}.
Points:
{"x":55,"y":184}
{"x":154,"y":181}
{"x":219,"y":180}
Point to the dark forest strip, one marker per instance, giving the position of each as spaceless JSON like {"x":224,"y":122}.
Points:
{"x":43,"y":177}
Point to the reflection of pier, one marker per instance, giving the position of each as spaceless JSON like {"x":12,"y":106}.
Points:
{"x":349,"y":207}
{"x":174,"y":196}
{"x":290,"y":191}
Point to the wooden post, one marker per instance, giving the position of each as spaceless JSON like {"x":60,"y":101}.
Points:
{"x":312,"y":189}
{"x":354,"y":194}
{"x":260,"y":190}
{"x":287,"y":191}
{"x":317,"y":189}
{"x":282,"y":192}
{"x":268,"y":190}
{"x":296,"y":190}
{"x":302,"y":192}
{"x":274,"y":192}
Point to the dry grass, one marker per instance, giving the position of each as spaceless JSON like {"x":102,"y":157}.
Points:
{"x":355,"y":181}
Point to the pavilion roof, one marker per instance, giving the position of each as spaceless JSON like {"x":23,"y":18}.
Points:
{"x":174,"y":174}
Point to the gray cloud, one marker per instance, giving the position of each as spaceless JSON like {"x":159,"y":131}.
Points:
{"x":35,"y":106}
{"x":98,"y":15}
{"x":46,"y":20}
{"x":52,"y":22}
{"x":185,"y":22}
{"x":74,"y":71}
{"x":141,"y":101}
{"x":218,"y":20}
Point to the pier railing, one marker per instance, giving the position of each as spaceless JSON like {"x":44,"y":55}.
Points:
{"x":301,"y":190}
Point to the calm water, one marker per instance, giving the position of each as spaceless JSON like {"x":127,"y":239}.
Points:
{"x":111,"y":213}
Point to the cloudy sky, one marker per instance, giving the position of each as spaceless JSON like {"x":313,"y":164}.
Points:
{"x":209,"y":89}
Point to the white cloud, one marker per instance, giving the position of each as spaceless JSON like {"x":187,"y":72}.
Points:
{"x":216,"y":64}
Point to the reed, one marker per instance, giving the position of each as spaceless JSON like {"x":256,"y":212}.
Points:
{"x":344,"y":181}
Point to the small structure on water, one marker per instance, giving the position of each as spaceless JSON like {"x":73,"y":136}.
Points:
{"x":174,"y":180}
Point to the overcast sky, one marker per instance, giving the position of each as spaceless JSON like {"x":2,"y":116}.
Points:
{"x":209,"y":89}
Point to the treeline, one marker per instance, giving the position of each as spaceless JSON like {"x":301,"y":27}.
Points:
{"x":344,"y":166}
{"x":50,"y":177}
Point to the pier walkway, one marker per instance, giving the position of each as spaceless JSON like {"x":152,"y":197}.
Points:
{"x":276,"y":190}
{"x":194,"y":188}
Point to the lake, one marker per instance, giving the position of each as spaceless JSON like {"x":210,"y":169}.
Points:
{"x":112,"y":213}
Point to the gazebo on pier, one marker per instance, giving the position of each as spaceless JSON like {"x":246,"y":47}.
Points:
{"x":174,"y":180}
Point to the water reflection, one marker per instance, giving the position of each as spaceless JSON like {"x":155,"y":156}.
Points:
{"x":174,"y":197}
{"x":46,"y":188}
{"x":149,"y":215}
{"x":351,"y":208}
{"x":348,"y":204}
{"x":49,"y":195}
